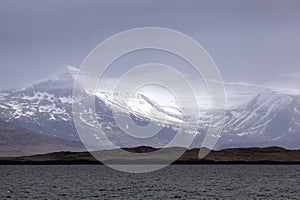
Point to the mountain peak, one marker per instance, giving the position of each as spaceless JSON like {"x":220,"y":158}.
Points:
{"x":65,"y":73}
{"x":70,"y":68}
{"x":62,"y":78}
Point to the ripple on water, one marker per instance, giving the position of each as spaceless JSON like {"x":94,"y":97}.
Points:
{"x":174,"y":182}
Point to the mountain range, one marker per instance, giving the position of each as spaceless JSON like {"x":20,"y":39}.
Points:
{"x":260,"y":115}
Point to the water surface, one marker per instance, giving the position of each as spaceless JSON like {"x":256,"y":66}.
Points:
{"x":173,"y":182}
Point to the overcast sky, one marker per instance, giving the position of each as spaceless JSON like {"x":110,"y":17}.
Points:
{"x":250,"y":41}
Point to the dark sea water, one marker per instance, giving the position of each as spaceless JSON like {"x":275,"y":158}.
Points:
{"x":173,"y":182}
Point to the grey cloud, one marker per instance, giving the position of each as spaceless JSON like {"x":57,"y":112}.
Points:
{"x":250,"y":41}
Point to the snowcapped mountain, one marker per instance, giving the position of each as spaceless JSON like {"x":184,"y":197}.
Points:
{"x":43,"y":107}
{"x":258,"y":116}
{"x":46,"y":107}
{"x":271,"y":118}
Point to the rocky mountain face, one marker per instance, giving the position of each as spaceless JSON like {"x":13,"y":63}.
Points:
{"x":269,"y":118}
{"x":43,"y":107}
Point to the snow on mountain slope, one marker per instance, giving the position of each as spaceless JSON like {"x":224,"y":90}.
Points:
{"x":271,"y":118}
{"x":258,"y":116}
{"x":44,"y":107}
{"x":160,"y":109}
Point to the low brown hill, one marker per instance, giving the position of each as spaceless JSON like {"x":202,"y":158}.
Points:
{"x":16,"y":141}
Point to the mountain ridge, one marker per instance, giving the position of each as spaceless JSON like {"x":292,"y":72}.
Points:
{"x":270,"y":118}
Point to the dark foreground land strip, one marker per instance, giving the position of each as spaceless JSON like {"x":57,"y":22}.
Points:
{"x":178,"y":162}
{"x":238,"y":156}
